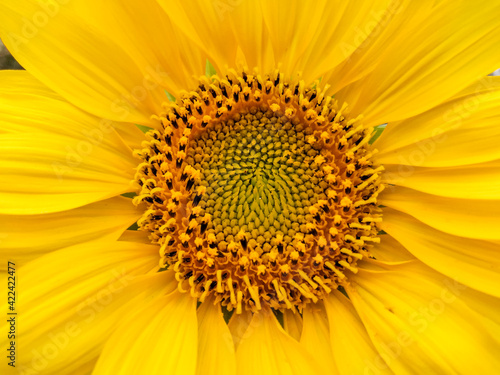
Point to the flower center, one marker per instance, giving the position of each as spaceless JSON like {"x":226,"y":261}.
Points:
{"x":259,"y":191}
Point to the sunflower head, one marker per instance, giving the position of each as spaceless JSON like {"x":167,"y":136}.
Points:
{"x":259,"y":191}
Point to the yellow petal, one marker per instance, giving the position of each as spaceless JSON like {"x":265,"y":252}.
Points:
{"x":135,"y":236}
{"x":238,"y":325}
{"x":206,"y":25}
{"x":70,"y":301}
{"x":352,"y":349}
{"x":54,"y":156}
{"x":161,"y":337}
{"x":292,"y":323}
{"x":254,"y":48}
{"x":43,"y":173}
{"x":267,"y":349}
{"x":82,"y":270}
{"x":390,"y":251}
{"x":477,"y":101}
{"x":79,"y":61}
{"x":29,"y":237}
{"x":431,"y":61}
{"x":315,"y":39}
{"x":462,"y":131}
{"x":418,"y":321}
{"x":23,"y":96}
{"x":474,"y":262}
{"x":460,"y":217}
{"x":143,"y":30}
{"x":130,"y":134}
{"x":475,"y":181}
{"x":86,"y":331}
{"x":365,"y":42}
{"x":316,"y":337}
{"x":215,"y":343}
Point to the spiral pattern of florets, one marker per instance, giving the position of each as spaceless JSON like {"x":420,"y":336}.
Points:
{"x":259,"y":191}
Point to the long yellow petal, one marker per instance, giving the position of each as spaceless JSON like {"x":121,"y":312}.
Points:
{"x":88,"y":329}
{"x":43,"y":173}
{"x":292,"y":323}
{"x":79,"y":61}
{"x":475,"y":262}
{"x":474,"y":181}
{"x":316,"y":337}
{"x":461,"y":132}
{"x":206,"y":24}
{"x":430,"y":62}
{"x":27,"y":105}
{"x":461,"y":217}
{"x":254,"y":48}
{"x":267,"y":349}
{"x":142,"y":30}
{"x":238,"y":325}
{"x":471,"y":106}
{"x":420,"y":320}
{"x":390,"y":251}
{"x":53,"y":156}
{"x":316,"y":39}
{"x":160,"y":338}
{"x":353,"y":351}
{"x":70,"y":300}
{"x":30,"y":236}
{"x":216,"y":354}
{"x":365,"y":42}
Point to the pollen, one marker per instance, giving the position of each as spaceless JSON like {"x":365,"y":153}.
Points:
{"x":259,"y":192}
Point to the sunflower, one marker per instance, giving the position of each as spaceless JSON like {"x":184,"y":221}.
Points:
{"x":244,"y":187}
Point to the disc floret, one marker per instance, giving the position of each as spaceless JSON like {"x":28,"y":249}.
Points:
{"x":259,"y":191}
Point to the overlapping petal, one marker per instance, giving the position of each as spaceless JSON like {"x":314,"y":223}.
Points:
{"x":463,"y":131}
{"x":352,"y":349}
{"x":216,"y":352}
{"x":267,"y":349}
{"x":474,"y":262}
{"x":418,"y":320}
{"x":80,"y":60}
{"x":315,"y":337}
{"x":53,"y":156}
{"x":429,"y":62}
{"x":170,"y":324}
{"x":470,"y":218}
{"x":293,"y":323}
{"x":315,"y":39}
{"x":71,"y":299}
{"x":42,"y":234}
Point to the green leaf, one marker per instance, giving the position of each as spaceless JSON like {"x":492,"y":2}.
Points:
{"x":209,"y":69}
{"x":129,"y":195}
{"x":226,"y":314}
{"x":314,"y":86}
{"x":279,"y":316}
{"x":170,"y":97}
{"x":133,"y":227}
{"x":377,"y":132}
{"x":342,"y":290}
{"x":143,"y":128}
